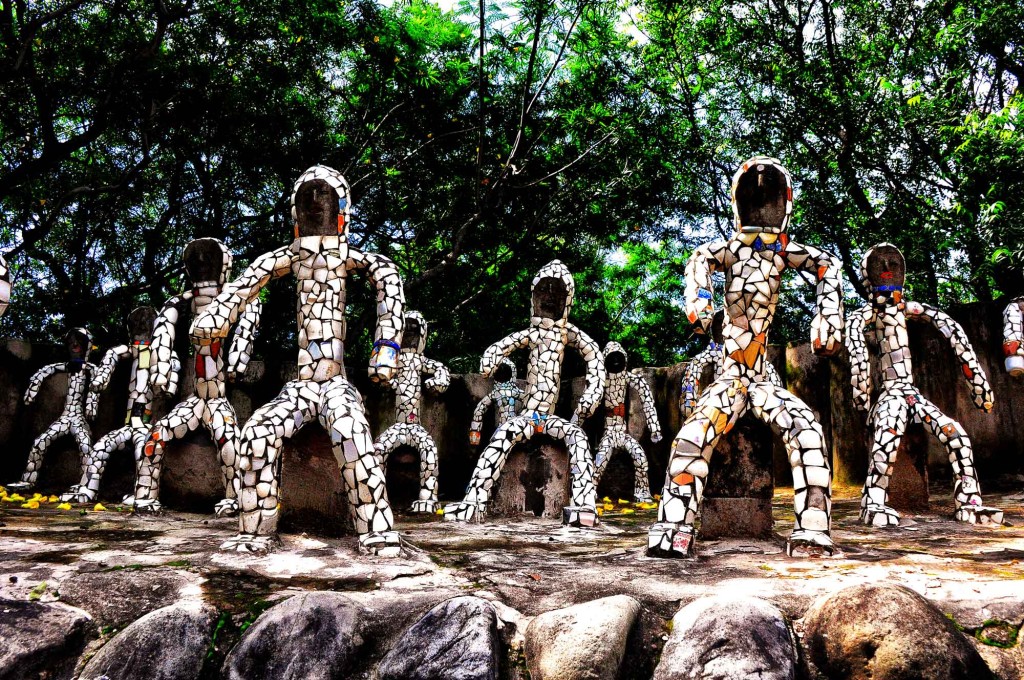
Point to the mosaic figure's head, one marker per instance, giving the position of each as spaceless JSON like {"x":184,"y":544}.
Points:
{"x":883,"y":272}
{"x":414,"y":335}
{"x":553,"y":290}
{"x":717,"y":326}
{"x":320,"y":203}
{"x":505,"y":372}
{"x":79,"y":343}
{"x":207,"y":260}
{"x":140,"y":324}
{"x":614,"y":358}
{"x":762,"y":197}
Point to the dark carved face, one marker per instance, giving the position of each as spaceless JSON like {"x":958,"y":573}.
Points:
{"x":204,"y":260}
{"x":886,"y":267}
{"x":717,"y":322}
{"x":549,"y":298}
{"x":77,"y":344}
{"x":761,"y":197}
{"x":412,"y":334}
{"x":140,"y":324}
{"x":615,"y":362}
{"x":316,"y":209}
{"x":503,"y":373}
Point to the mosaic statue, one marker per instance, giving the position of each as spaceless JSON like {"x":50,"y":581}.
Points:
{"x":208,"y":265}
{"x":320,"y":259}
{"x":884,"y":270}
{"x":753,"y":260}
{"x":616,"y":435}
{"x":5,"y":285}
{"x":506,"y":397}
{"x":140,"y":402}
{"x":79,"y":405}
{"x":547,"y":337}
{"x":713,"y":355}
{"x":1013,"y":337}
{"x":407,"y":429}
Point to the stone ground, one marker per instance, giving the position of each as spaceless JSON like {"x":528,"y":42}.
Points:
{"x":117,"y":566}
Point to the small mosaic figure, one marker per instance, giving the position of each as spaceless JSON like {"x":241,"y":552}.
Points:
{"x":753,"y":260}
{"x":1013,"y":337}
{"x":320,"y":259}
{"x":713,"y":355}
{"x":884,"y":270}
{"x":547,"y":337}
{"x":79,"y":405}
{"x":140,"y":402}
{"x":407,"y":429}
{"x":506,"y":397}
{"x":208,"y":265}
{"x":5,"y":285}
{"x":616,"y":435}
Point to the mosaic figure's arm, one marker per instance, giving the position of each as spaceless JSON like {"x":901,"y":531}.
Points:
{"x":390,"y":311}
{"x":102,"y":372}
{"x":162,"y":345}
{"x":698,"y":292}
{"x":37,"y":380}
{"x":1013,"y":336}
{"x":981,"y":391}
{"x":92,"y":395}
{"x":478,"y":418}
{"x":770,"y":374}
{"x":502,"y":348}
{"x":827,"y":325}
{"x":643,"y":390}
{"x":214,"y":322}
{"x":441,"y":377}
{"x":175,"y":376}
{"x":241,"y":344}
{"x":857,"y":348}
{"x":596,"y":374}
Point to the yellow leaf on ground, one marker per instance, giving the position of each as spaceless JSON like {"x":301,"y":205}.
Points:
{"x":628,"y":511}
{"x":31,"y":505}
{"x":98,"y":507}
{"x":64,"y":506}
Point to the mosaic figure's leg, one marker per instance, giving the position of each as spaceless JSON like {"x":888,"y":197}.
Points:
{"x":184,"y":418}
{"x":223,"y":426}
{"x":488,"y":469}
{"x":389,"y":440}
{"x":716,"y":412}
{"x":79,"y":429}
{"x":641,"y":485}
{"x":966,"y":490}
{"x":58,"y":428}
{"x":603,"y":454}
{"x":888,"y":423}
{"x":86,"y":490}
{"x":794,"y":421}
{"x":421,"y":440}
{"x":583,"y":491}
{"x":258,"y":467}
{"x":341,"y":414}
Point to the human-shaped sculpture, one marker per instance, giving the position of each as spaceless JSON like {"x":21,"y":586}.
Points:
{"x":320,"y":258}
{"x":208,"y":265}
{"x":506,"y":397}
{"x":1013,"y":337}
{"x":140,"y":402}
{"x":5,"y":285}
{"x":79,"y":405}
{"x":407,"y":429}
{"x":884,"y":270}
{"x":753,"y":260}
{"x":547,"y":337}
{"x":616,"y":435}
{"x":713,"y":355}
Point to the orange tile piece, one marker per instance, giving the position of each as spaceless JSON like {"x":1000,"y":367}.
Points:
{"x":683,"y":478}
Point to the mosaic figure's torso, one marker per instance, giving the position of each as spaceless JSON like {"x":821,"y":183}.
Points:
{"x":544,"y":373}
{"x":319,"y":266}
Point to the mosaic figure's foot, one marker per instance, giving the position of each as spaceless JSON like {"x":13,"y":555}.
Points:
{"x":227,"y":507}
{"x":668,"y":539}
{"x":251,"y":544}
{"x":19,"y":486}
{"x":428,"y":506}
{"x":152,"y":507}
{"x":128,"y":501}
{"x":579,"y":516}
{"x":463,"y":511}
{"x":979,"y":514}
{"x":808,"y":543}
{"x":879,"y":516}
{"x":78,"y":494}
{"x":381,"y":544}
{"x":644,"y":499}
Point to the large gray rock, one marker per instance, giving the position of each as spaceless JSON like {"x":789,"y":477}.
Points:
{"x":166,"y":644}
{"x":116,"y":598}
{"x":729,"y":638}
{"x":879,"y":631}
{"x":456,"y":640}
{"x":581,"y":642}
{"x":41,"y":639}
{"x":313,"y":636}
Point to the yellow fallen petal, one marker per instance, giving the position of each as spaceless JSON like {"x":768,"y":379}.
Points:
{"x":606,"y":500}
{"x":439,"y":511}
{"x":52,"y":499}
{"x":64,"y":506}
{"x":600,"y":511}
{"x":31,"y":505}
{"x":628,"y":511}
{"x":98,"y":507}
{"x":15,"y":498}
{"x":608,"y":506}
{"x":622,"y":502}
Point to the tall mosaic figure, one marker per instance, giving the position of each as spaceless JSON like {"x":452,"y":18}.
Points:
{"x":616,"y":435}
{"x":506,"y":397}
{"x":753,"y":260}
{"x":407,"y":429}
{"x":140,"y":402}
{"x":1013,"y":337}
{"x":550,"y":332}
{"x":5,"y":285}
{"x":320,"y":259}
{"x":208,"y":265}
{"x":80,"y":405}
{"x":883,"y":270}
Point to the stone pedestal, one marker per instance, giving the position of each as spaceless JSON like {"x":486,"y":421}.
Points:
{"x":738,"y":495}
{"x":535,"y":479}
